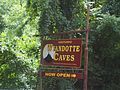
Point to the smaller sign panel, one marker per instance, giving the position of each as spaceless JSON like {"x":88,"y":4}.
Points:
{"x":65,"y":52}
{"x":62,"y":75}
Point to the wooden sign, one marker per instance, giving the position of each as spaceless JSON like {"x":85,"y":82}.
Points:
{"x":62,"y":75}
{"x":62,"y":52}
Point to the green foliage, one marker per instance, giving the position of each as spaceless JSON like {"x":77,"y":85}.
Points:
{"x":2,"y":24}
{"x":18,"y":62}
{"x":61,"y":15}
{"x":112,"y":7}
{"x":57,"y":83}
{"x":32,"y":8}
{"x":106,"y":52}
{"x":19,"y":49}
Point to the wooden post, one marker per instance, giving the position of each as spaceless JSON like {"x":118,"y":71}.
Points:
{"x":86,"y":52}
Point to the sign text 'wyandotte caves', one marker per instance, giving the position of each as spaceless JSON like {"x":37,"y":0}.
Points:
{"x":65,"y":52}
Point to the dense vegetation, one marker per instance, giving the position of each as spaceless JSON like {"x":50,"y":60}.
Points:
{"x":22,"y":22}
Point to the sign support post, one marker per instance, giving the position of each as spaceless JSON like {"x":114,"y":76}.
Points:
{"x":86,"y":52}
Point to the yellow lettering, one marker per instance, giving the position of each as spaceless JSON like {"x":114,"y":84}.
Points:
{"x":49,"y":74}
{"x":55,"y":48}
{"x":56,"y":56}
{"x":60,"y":49}
{"x":60,"y":58}
{"x":74,"y":48}
{"x":63,"y":48}
{"x":70,"y":48}
{"x":50,"y":47}
{"x":77,"y":48}
{"x":64,"y":57}
{"x":68,"y":58}
{"x":67,"y":75}
{"x":72,"y":57}
{"x":67,"y":48}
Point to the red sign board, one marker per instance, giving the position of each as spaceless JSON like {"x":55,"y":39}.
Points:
{"x":62,"y":52}
{"x":62,"y":75}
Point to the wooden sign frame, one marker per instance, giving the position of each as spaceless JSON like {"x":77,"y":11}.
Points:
{"x":63,"y":52}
